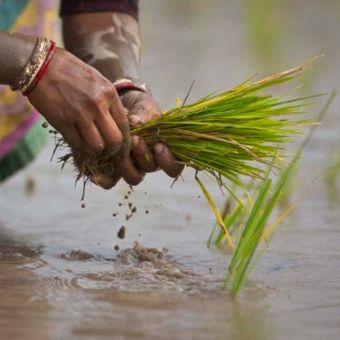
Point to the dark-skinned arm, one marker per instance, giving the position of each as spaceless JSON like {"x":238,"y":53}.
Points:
{"x":15,"y":50}
{"x":110,"y":42}
{"x":73,"y":96}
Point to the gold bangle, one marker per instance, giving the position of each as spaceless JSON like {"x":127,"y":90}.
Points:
{"x":39,"y":61}
{"x":33,"y":65}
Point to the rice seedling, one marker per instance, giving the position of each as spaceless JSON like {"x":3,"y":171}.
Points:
{"x":288,"y":189}
{"x":252,"y":218}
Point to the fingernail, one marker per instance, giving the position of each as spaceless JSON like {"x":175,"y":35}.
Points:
{"x":159,"y":148}
{"x":135,"y":120}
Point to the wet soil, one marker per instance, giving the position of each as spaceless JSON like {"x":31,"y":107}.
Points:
{"x":61,"y":274}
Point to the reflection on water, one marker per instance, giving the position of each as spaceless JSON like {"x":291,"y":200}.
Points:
{"x":60,"y":275}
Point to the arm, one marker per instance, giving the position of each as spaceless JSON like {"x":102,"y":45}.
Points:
{"x":74,"y":97}
{"x":15,"y":50}
{"x":110,"y":42}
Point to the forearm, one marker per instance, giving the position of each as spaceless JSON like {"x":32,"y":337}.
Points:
{"x":15,"y":51}
{"x":108,"y":41}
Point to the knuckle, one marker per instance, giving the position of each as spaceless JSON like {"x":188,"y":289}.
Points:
{"x":96,"y":147}
{"x":115,"y":141}
{"x":101,"y":99}
{"x":112,"y":92}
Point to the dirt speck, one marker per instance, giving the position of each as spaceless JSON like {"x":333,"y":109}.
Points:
{"x":116,"y":247}
{"x":30,"y":186}
{"x":128,"y":216}
{"x":121,"y":233}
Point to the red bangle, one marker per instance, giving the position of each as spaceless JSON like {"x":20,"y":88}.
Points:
{"x":42,"y":69}
{"x":126,"y":84}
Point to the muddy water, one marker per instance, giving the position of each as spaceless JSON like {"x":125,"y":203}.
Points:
{"x":60,"y":276}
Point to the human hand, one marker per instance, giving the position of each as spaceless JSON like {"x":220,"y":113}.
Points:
{"x":132,"y":167}
{"x":83,"y":106}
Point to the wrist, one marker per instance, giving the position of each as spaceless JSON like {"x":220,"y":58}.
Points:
{"x":35,"y":67}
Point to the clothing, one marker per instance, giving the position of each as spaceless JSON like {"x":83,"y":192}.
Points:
{"x":87,"y":6}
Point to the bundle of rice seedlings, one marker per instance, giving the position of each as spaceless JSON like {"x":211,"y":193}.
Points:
{"x":233,"y":136}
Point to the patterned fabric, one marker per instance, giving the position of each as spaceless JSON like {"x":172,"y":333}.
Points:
{"x":85,"y":6}
{"x":17,"y":117}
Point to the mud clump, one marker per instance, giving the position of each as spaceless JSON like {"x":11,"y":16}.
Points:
{"x":138,"y":253}
{"x":153,"y":261}
{"x":122,"y":232}
{"x":144,"y":269}
{"x":77,"y":255}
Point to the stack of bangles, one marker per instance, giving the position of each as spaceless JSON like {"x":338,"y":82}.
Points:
{"x":35,"y":67}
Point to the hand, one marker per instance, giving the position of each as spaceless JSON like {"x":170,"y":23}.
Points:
{"x":82,"y":105}
{"x":141,"y":107}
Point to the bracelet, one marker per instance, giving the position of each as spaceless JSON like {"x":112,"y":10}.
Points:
{"x":42,"y":70}
{"x":123,"y":85}
{"x":33,"y":65}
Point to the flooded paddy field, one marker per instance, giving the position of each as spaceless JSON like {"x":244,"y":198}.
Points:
{"x":61,"y":274}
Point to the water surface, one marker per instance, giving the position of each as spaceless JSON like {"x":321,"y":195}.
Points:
{"x":60,"y":277}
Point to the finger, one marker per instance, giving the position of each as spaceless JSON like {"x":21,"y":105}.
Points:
{"x":119,"y":114}
{"x":129,"y":172}
{"x":143,"y":155}
{"x":71,"y":135}
{"x":105,"y":181}
{"x":92,"y":138}
{"x":166,"y":161}
{"x":110,"y":132}
{"x":143,"y":111}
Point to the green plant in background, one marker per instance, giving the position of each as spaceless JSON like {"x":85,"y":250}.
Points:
{"x":264,"y":30}
{"x":268,"y":36}
{"x":288,"y":189}
{"x":332,"y":177}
